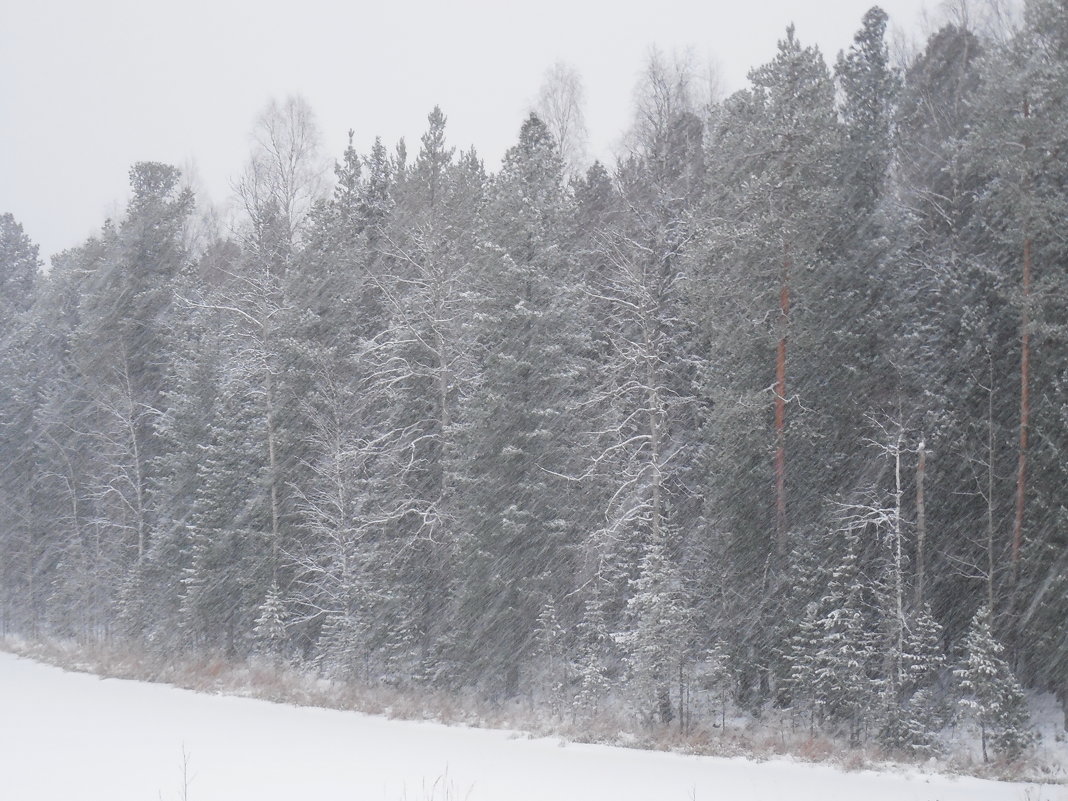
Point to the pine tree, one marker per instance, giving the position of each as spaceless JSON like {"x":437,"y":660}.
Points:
{"x":125,"y":320}
{"x":1020,"y":140}
{"x":845,"y":368}
{"x":772,"y":155}
{"x":120,"y":355}
{"x":868,"y":84}
{"x":797,"y":132}
{"x":423,"y":367}
{"x":20,"y":267}
{"x":517,"y":431}
{"x":376,"y":200}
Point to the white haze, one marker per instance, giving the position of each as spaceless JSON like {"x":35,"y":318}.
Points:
{"x":87,"y":89}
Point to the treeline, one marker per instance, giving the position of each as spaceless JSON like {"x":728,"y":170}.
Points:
{"x":770,"y":413}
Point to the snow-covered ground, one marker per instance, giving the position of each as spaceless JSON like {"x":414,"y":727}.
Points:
{"x":67,"y":736}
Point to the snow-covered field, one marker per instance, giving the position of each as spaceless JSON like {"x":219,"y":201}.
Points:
{"x":67,"y":736}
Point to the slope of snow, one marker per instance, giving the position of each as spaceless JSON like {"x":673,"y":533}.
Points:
{"x":75,"y":736}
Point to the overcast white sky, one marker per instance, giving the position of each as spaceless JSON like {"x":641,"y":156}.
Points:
{"x":87,"y":87}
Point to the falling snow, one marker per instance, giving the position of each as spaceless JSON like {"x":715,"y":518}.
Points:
{"x":755,"y":432}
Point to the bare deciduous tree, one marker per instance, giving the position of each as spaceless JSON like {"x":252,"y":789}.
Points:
{"x":286,"y":172}
{"x":560,"y":106}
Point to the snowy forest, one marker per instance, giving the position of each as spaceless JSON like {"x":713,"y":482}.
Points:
{"x":768,"y":414}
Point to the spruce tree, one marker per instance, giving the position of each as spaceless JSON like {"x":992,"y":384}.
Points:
{"x":916,"y":712}
{"x":517,"y":430}
{"x":989,"y":692}
{"x":20,"y":371}
{"x":657,"y":644}
{"x":270,"y":627}
{"x":846,"y":648}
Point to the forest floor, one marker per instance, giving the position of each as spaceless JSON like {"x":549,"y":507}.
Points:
{"x":71,"y":734}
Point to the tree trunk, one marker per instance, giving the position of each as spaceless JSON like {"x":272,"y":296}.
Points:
{"x":780,"y":408}
{"x":663,"y":703}
{"x":921,"y":523}
{"x":272,"y":459}
{"x":138,"y":479}
{"x":682,"y":697}
{"x":899,"y":570}
{"x":1025,"y":395}
{"x":1062,"y":696}
{"x":1025,"y":412}
{"x":990,"y":486}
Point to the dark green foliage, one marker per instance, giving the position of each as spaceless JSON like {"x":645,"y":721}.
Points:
{"x":514,"y":434}
{"x":989,"y":693}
